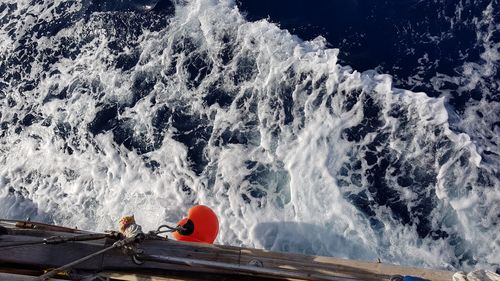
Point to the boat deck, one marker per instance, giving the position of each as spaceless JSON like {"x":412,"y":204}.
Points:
{"x":182,"y":260}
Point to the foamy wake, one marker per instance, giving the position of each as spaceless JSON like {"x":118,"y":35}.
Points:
{"x":117,"y":114}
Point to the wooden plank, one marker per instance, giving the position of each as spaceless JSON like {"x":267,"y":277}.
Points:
{"x":309,"y":267}
{"x":140,"y":277}
{"x":187,"y":250}
{"x":44,"y":226}
{"x":307,"y":264}
{"x":248,"y":270}
{"x":116,"y":260}
{"x":18,"y":277}
{"x":48,"y":256}
{"x":339,"y":267}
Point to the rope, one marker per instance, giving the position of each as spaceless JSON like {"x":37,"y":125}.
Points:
{"x":171,"y":229}
{"x":135,"y":235}
{"x":60,"y":239}
{"x":86,"y":237}
{"x":168,"y":229}
{"x":117,"y":244}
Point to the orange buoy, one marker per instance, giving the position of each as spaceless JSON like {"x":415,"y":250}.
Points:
{"x":201,"y":225}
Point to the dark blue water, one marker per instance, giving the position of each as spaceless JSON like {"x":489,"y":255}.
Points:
{"x":411,"y":40}
{"x":401,"y":38}
{"x":175,"y":85}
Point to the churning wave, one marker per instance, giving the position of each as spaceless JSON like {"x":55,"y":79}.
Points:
{"x":148,"y":107}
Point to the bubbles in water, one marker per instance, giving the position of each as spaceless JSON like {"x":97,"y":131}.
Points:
{"x":149,"y":113}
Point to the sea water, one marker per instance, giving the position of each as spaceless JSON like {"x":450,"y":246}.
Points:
{"x":346,"y":140}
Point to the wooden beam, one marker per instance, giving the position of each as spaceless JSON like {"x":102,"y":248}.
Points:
{"x":19,"y":277}
{"x":209,"y":259}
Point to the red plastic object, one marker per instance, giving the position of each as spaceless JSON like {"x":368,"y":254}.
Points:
{"x":201,"y":225}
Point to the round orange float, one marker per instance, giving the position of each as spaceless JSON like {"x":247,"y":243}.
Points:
{"x":201,"y":225}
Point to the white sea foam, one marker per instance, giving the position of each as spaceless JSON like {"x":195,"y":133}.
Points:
{"x":285,"y":184}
